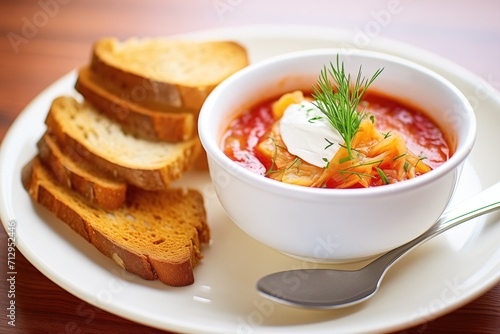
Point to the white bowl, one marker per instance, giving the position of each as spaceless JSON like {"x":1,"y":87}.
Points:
{"x":334,"y":225}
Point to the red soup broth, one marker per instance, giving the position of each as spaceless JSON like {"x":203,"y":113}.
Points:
{"x":422,"y":135}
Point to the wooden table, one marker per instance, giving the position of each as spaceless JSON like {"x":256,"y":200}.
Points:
{"x":42,"y":40}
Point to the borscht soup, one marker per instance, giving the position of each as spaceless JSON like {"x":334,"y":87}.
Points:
{"x":396,"y":141}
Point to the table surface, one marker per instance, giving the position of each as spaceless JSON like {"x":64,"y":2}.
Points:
{"x":42,"y":40}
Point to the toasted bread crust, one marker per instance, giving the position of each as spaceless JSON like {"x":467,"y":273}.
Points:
{"x":72,"y":171}
{"x":150,"y":250}
{"x":146,"y":177}
{"x":154,"y":124}
{"x":33,"y":182}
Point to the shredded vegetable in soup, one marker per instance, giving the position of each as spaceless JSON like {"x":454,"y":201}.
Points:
{"x":359,"y":140}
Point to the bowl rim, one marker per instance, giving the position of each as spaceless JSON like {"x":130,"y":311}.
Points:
{"x":211,"y":145}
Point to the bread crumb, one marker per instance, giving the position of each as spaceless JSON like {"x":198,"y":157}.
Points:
{"x":184,"y":191}
{"x":118,"y":260}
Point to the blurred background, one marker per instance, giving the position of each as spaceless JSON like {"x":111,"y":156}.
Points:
{"x":60,"y":32}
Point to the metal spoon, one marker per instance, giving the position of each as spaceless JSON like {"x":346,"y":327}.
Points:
{"x":331,"y":288}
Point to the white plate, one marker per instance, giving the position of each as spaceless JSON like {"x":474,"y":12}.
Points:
{"x":445,"y":273}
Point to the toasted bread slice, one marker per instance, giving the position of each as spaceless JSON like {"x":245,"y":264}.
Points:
{"x":167,"y":72}
{"x":149,"y":165}
{"x":154,"y":124}
{"x":77,"y":174}
{"x":157,"y":235}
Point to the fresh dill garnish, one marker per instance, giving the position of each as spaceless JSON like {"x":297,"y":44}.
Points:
{"x":327,"y":162}
{"x":339,"y":101}
{"x":406,"y":166}
{"x":399,"y":156}
{"x":330,"y":143}
{"x":272,"y":169}
{"x":350,"y":170}
{"x":420,"y":158}
{"x":296,"y":161}
{"x":273,"y":160}
{"x":382,"y":175}
{"x":313,"y":119}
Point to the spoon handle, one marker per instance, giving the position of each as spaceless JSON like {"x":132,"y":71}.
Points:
{"x":484,"y":202}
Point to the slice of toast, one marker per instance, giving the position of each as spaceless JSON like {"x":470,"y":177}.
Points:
{"x":155,"y":124}
{"x":149,"y":165}
{"x":167,"y":72}
{"x":77,"y":174}
{"x":157,"y":235}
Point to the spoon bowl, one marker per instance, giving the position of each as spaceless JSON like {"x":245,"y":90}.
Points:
{"x":332,"y":288}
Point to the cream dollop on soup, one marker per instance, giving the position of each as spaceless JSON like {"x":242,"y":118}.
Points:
{"x":308,"y":134}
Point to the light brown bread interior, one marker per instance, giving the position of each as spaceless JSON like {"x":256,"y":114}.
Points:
{"x":150,"y":165}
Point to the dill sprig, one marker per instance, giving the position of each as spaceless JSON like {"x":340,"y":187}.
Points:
{"x":339,"y":101}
